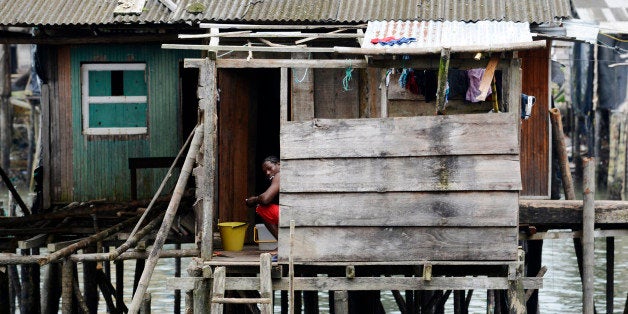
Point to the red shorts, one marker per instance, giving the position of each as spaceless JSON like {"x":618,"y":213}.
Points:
{"x":270,"y":213}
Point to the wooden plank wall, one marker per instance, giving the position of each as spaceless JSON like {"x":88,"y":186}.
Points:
{"x":400,"y":189}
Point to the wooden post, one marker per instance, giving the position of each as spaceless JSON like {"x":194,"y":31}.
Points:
{"x":443,"y":71}
{"x":341,"y":302}
{"x":171,"y":211}
{"x":30,"y":287}
{"x":208,"y":104}
{"x":177,"y":273}
{"x":136,"y":237}
{"x":6,"y":110}
{"x":588,"y":246}
{"x":266,"y":287}
{"x":610,"y":273}
{"x":146,"y":304}
{"x":5,"y":304}
{"x":140,"y":265}
{"x":51,"y":290}
{"x":119,"y":283}
{"x":79,"y":297}
{"x":563,"y":160}
{"x":218,"y":289}
{"x":616,"y":180}
{"x":67,"y":278}
{"x":90,"y":287}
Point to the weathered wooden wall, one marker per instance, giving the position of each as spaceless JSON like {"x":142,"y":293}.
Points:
{"x":400,"y":189}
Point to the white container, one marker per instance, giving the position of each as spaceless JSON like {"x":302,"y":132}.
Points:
{"x":264,"y":238}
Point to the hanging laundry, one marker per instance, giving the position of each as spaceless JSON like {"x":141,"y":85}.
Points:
{"x":475,"y":76}
{"x":391,"y":41}
{"x":412,"y":84}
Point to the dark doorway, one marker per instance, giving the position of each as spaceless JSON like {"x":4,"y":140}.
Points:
{"x":188,"y":100}
{"x":248,"y":131}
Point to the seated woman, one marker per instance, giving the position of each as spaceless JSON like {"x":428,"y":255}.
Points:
{"x":267,"y":203}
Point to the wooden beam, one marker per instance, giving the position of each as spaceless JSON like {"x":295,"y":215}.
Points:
{"x":557,"y":212}
{"x":36,"y":241}
{"x":487,"y":77}
{"x":363,"y":283}
{"x":248,"y":48}
{"x":291,"y":63}
{"x":287,"y":26}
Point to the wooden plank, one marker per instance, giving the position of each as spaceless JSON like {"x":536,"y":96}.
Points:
{"x":487,"y":78}
{"x":399,"y":243}
{"x":290,"y":63}
{"x":218,"y":289}
{"x":331,"y":100}
{"x":45,"y":144}
{"x":472,"y":134}
{"x":277,"y":26}
{"x":553,"y":212}
{"x":366,"y":283}
{"x":491,"y":172}
{"x":248,"y":48}
{"x":302,"y":92}
{"x":468,"y":209}
{"x":33,"y":242}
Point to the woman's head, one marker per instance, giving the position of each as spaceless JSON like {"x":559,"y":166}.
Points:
{"x":270,"y":166}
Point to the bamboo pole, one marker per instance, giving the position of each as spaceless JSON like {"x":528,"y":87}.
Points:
{"x":167,"y":222}
{"x":588,"y":245}
{"x":563,"y":160}
{"x":136,"y":237}
{"x":86,"y":242}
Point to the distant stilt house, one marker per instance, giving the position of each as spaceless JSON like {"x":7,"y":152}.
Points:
{"x":399,"y":129}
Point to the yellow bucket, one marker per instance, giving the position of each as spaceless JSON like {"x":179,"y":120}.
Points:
{"x":232,"y":235}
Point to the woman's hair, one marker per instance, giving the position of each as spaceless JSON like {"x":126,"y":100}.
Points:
{"x":272,"y":159}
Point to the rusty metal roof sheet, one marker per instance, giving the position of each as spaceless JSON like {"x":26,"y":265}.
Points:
{"x":100,"y":12}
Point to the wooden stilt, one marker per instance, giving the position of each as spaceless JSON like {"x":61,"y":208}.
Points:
{"x":51,"y":290}
{"x":79,"y":296}
{"x":4,"y":291}
{"x":610,"y":273}
{"x":177,"y":273}
{"x":139,"y":269}
{"x":90,"y":287}
{"x":15,"y":288}
{"x":146,"y":303}
{"x":266,"y":288}
{"x":440,"y":305}
{"x":516,"y":295}
{"x":490,"y":302}
{"x":563,"y":160}
{"x":67,"y":278}
{"x":218,"y":289}
{"x":119,"y":283}
{"x":285,"y":301}
{"x":458,"y":301}
{"x":467,"y":301}
{"x":341,"y":302}
{"x":401,"y":303}
{"x":533,"y":266}
{"x":588,"y":245}
{"x":310,"y":302}
{"x":109,"y":292}
{"x":30,"y":287}
{"x":6,"y":109}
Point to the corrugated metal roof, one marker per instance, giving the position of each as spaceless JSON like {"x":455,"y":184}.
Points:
{"x":362,"y":11}
{"x":76,"y":12}
{"x":100,"y":12}
{"x":436,"y":34}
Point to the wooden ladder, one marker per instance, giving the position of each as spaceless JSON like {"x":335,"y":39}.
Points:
{"x":265,"y":288}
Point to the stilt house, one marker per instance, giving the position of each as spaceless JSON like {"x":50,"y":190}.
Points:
{"x":416,"y":182}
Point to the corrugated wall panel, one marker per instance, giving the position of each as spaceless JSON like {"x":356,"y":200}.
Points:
{"x":101,"y":164}
{"x":535,"y":144}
